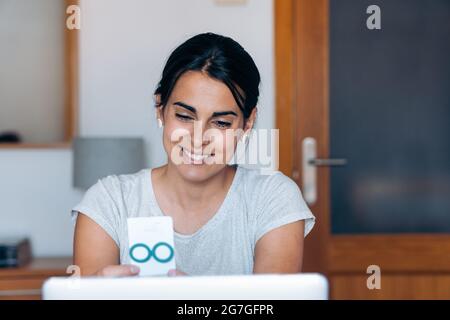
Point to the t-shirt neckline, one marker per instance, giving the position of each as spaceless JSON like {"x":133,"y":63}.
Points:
{"x":221,"y":211}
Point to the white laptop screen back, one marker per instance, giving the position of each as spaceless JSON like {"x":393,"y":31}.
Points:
{"x":240,"y":287}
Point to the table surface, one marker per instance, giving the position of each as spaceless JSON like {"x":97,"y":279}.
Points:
{"x":44,"y":266}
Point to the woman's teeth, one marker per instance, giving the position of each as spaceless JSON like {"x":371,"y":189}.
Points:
{"x":194,"y":156}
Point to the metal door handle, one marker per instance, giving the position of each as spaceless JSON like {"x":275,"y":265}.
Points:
{"x":309,"y":166}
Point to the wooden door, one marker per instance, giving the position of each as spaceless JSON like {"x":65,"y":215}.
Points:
{"x":362,"y":214}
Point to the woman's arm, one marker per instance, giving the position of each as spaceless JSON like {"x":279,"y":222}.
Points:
{"x":281,"y":250}
{"x":95,"y":252}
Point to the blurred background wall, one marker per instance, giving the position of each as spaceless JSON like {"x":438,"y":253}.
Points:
{"x":31,"y":47}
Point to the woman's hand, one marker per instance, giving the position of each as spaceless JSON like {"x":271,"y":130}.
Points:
{"x":128,"y":270}
{"x":175,"y":272}
{"x":125,"y":270}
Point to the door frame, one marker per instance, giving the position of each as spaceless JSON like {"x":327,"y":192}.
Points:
{"x":302,"y":110}
{"x":294,"y":71}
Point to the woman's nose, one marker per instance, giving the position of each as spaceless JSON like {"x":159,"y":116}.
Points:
{"x":199,"y":137}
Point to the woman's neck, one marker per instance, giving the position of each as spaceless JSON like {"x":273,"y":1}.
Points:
{"x":190,"y":195}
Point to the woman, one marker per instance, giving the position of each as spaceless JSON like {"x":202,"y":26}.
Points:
{"x":227,"y":219}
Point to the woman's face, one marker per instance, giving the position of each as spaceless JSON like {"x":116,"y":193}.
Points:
{"x":202,"y":125}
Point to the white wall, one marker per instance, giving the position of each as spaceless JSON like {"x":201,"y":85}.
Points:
{"x":32,"y":62}
{"x":35,"y":198}
{"x":124,"y":45}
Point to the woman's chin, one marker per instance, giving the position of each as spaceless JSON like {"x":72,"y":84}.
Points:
{"x":197,"y":172}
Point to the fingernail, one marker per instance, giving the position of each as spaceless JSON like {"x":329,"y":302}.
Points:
{"x":134,"y":269}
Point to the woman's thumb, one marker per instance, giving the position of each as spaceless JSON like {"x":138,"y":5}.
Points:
{"x":120,"y":271}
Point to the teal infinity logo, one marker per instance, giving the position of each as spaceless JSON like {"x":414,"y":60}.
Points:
{"x":152,"y":253}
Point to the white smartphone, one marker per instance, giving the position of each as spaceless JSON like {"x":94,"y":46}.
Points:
{"x":151,"y":244}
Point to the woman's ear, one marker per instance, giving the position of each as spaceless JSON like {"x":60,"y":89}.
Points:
{"x":159,"y":107}
{"x":157,"y":98}
{"x":250,"y":121}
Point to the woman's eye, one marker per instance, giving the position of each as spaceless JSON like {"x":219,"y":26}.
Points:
{"x":183,"y":117}
{"x":223,"y":124}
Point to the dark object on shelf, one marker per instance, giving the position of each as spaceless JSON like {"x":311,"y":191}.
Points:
{"x":14,"y":252}
{"x":10,"y":137}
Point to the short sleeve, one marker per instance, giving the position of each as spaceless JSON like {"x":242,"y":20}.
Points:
{"x":281,"y":202}
{"x":98,"y":204}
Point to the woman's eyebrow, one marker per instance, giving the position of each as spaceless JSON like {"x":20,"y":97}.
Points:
{"x":184,"y":105}
{"x":193,"y":110}
{"x":223,"y":113}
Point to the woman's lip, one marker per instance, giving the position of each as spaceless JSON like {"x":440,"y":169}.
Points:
{"x":195,"y":156}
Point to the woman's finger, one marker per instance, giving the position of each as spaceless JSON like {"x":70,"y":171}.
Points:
{"x":119,"y":271}
{"x":175,"y":272}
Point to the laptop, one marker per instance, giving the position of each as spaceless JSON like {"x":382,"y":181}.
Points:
{"x":303,"y":286}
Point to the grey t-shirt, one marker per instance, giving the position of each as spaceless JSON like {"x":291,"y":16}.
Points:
{"x":255,"y":204}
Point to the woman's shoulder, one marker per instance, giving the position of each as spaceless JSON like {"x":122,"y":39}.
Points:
{"x":103,"y":201}
{"x":265,"y":180}
{"x":274,"y":199}
{"x":121,"y":184}
{"x":122,"y":180}
{"x":261,"y":186}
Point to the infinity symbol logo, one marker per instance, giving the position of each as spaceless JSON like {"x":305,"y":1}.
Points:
{"x":152,"y":252}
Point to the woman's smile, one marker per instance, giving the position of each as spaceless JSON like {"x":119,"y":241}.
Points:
{"x":193,"y":158}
